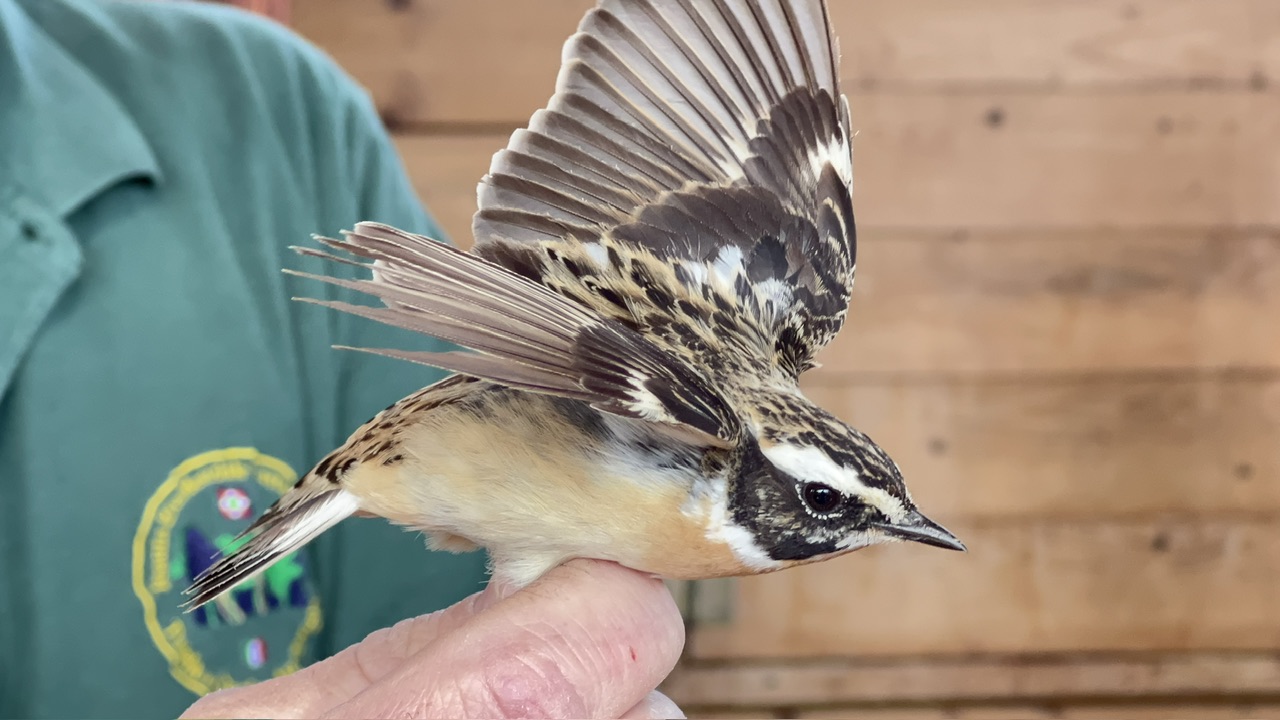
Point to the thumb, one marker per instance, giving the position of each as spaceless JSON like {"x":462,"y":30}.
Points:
{"x":589,"y":639}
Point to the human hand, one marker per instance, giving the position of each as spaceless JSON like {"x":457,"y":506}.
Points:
{"x":589,"y":639}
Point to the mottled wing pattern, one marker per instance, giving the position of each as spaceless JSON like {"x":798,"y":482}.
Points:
{"x":709,"y":136}
{"x":524,"y":335}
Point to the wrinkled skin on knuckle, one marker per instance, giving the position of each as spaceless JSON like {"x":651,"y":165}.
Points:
{"x":530,"y":674}
{"x":386,"y":649}
{"x":540,"y":671}
{"x":506,"y":686}
{"x":366,"y":661}
{"x":534,"y":685}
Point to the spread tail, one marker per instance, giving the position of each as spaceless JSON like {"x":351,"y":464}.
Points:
{"x":287,"y":526}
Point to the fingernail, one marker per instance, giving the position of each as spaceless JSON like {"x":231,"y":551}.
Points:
{"x":656,"y":706}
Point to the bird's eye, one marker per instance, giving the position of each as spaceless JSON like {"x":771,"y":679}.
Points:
{"x":820,"y":498}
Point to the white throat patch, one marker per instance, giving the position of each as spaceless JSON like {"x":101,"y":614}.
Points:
{"x":722,"y":528}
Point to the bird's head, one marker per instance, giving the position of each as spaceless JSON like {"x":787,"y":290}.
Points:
{"x":822,"y":489}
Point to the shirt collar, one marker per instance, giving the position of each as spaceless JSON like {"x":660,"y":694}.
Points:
{"x":73,"y":139}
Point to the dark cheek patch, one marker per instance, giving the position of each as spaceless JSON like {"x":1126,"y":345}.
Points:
{"x":767,"y":506}
{"x":798,"y":549}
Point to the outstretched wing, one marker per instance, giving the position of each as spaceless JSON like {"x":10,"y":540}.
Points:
{"x":525,"y":336}
{"x":707,"y":135}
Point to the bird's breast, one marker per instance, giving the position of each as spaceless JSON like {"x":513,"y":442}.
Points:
{"x":538,"y":480}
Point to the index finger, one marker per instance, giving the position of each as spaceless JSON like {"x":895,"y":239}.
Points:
{"x":318,"y":688}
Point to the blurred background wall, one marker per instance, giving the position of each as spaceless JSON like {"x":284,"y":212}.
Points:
{"x":1066,"y":327}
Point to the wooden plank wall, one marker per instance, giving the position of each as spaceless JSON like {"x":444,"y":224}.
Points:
{"x":1066,"y":328}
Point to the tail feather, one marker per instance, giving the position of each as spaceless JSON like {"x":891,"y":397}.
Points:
{"x":283,"y":529}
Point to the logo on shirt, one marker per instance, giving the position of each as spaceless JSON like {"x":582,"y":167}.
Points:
{"x":261,"y":628}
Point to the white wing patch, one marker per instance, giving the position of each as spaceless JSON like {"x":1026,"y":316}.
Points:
{"x":837,"y":154}
{"x":598,"y":253}
{"x":696,"y":270}
{"x":722,"y":274}
{"x":648,"y":406}
{"x":728,"y":264}
{"x":774,"y":291}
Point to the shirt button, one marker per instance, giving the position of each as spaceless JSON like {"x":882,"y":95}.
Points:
{"x":30,"y":232}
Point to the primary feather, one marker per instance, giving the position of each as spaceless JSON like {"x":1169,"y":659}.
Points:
{"x":528,"y":337}
{"x":710,"y":136}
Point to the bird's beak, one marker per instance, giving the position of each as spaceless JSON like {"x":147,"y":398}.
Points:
{"x":918,"y":528}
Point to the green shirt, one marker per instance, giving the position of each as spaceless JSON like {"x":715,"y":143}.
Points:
{"x":158,"y":387}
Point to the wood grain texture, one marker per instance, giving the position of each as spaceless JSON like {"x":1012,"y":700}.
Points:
{"x":445,"y":171}
{"x":446,"y":61}
{"x":1174,"y":711}
{"x":1000,"y":160}
{"x":1043,"y":301}
{"x":1265,"y":16}
{"x":1075,"y":448}
{"x":468,"y":61}
{"x":1194,"y":677}
{"x":1020,"y":160}
{"x":1172,"y":585}
{"x":1162,"y":710}
{"x":1050,"y":45}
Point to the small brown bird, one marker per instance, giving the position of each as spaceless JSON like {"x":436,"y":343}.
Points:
{"x":658,"y":258}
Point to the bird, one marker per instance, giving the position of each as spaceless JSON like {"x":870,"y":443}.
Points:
{"x":658,"y":256}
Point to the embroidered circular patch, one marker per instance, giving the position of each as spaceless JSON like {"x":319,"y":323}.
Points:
{"x":234,"y":503}
{"x":260,"y":629}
